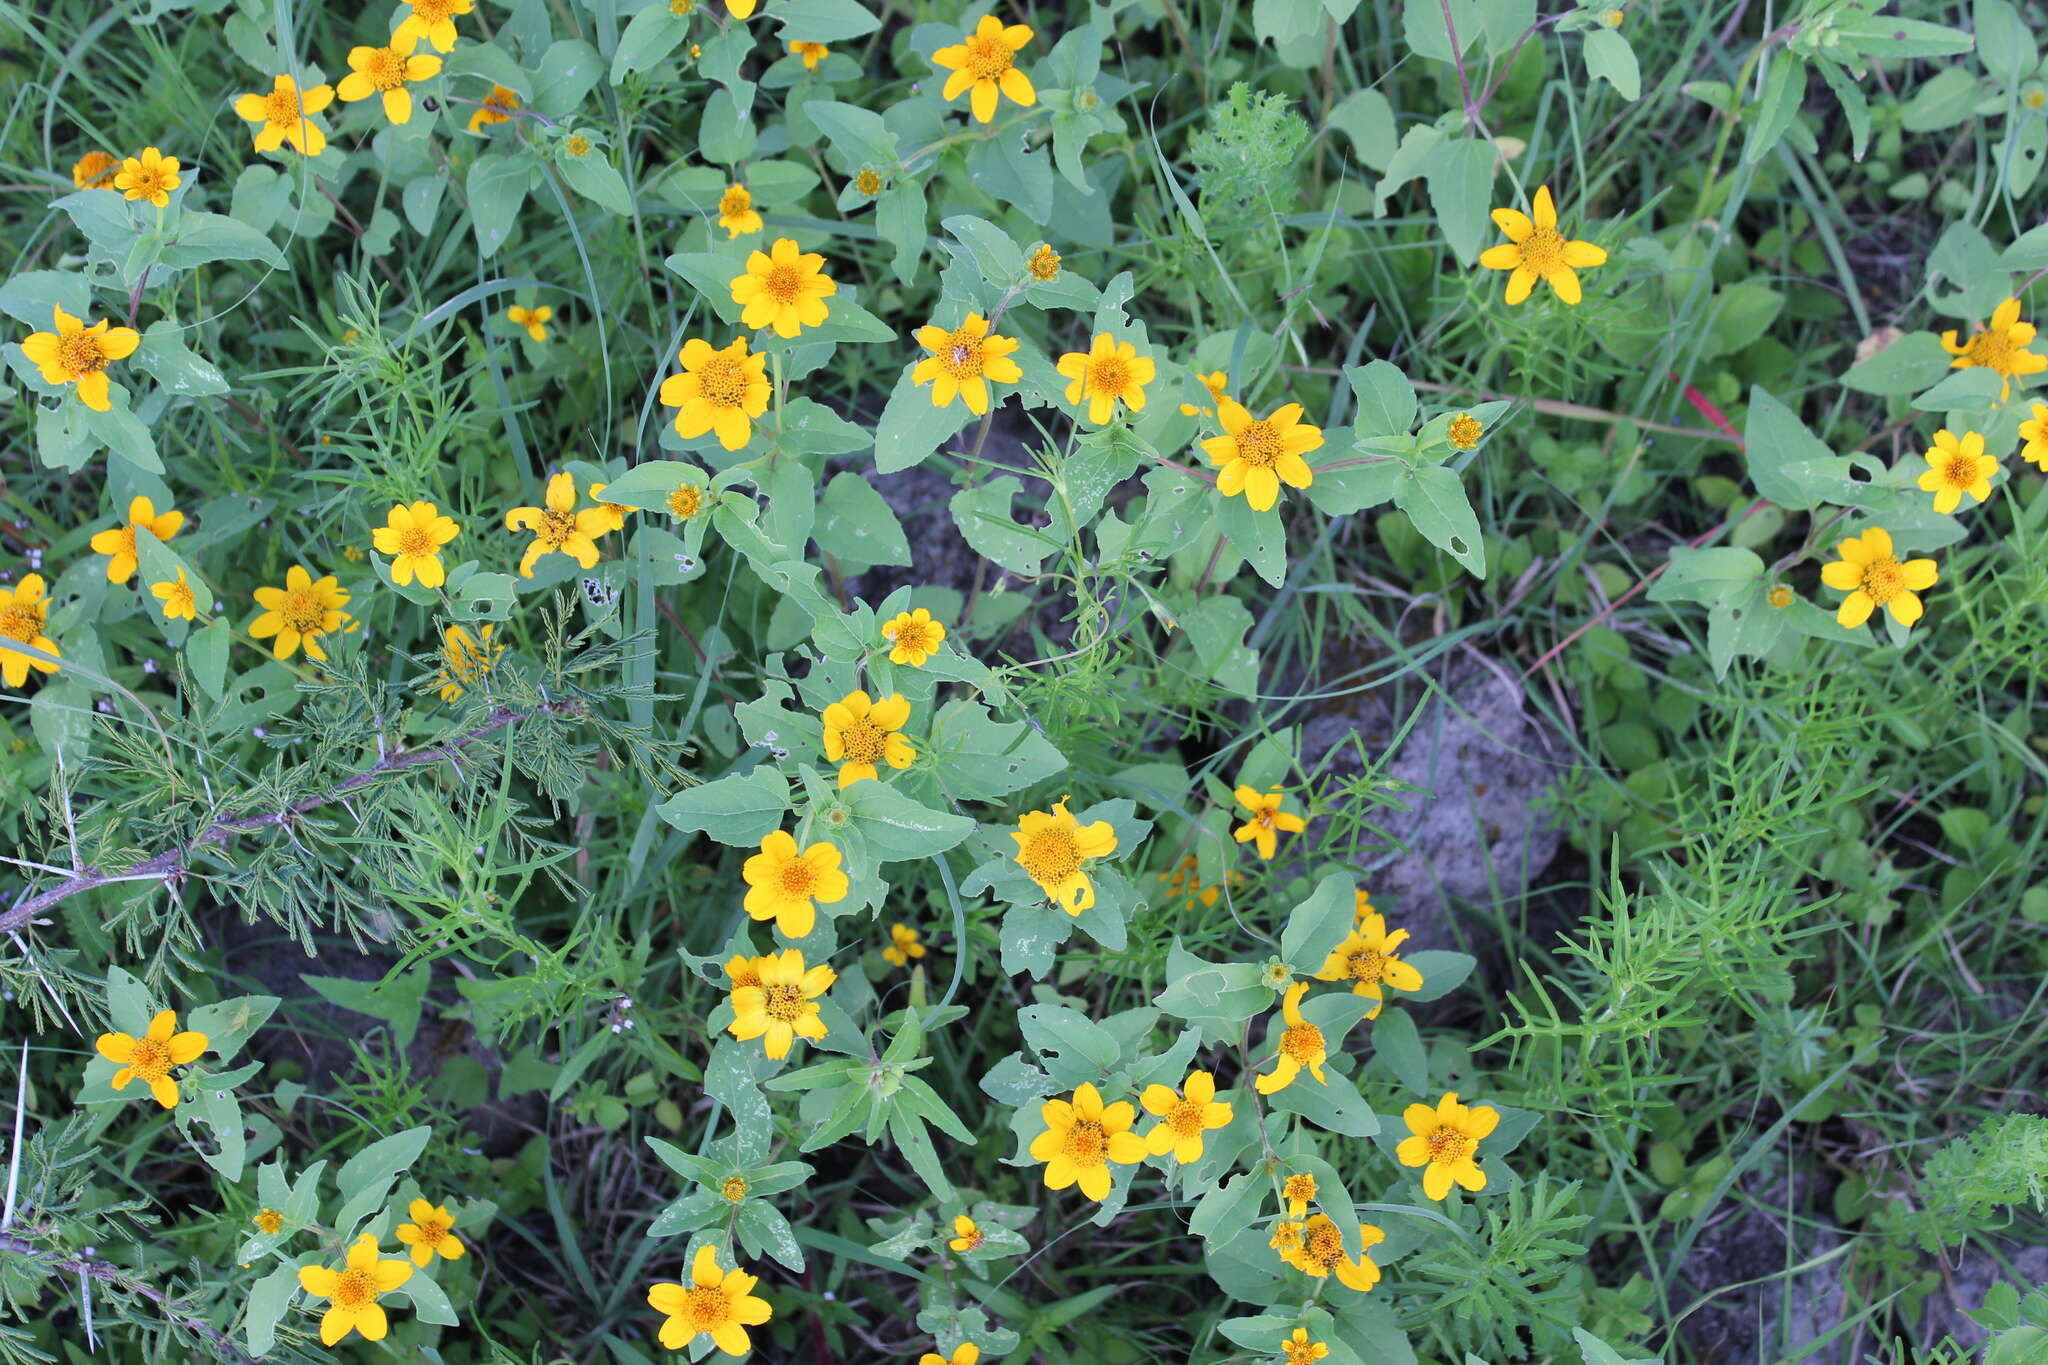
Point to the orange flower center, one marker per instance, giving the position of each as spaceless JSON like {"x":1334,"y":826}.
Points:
{"x":1045,"y":264}
{"x":1186,"y":1119}
{"x":988,"y":58}
{"x":1051,"y":855}
{"x":705,"y":1310}
{"x":723,"y":381}
{"x":734,"y":1189}
{"x":734,"y":202}
{"x":685,"y":502}
{"x":1543,"y":251}
{"x":152,"y":1059}
{"x":355,"y":1289}
{"x":1302,"y":1042}
{"x":1465,"y":431}
{"x":417,"y":541}
{"x":1884,"y":579}
{"x":149,"y":180}
{"x":783,"y":283}
{"x":80,"y":353}
{"x":1365,"y":965}
{"x":798,"y":881}
{"x":1259,"y":446}
{"x":1299,"y":1187}
{"x":1960,"y":471}
{"x":433,"y":11}
{"x":20,"y":622}
{"x":915,"y":636}
{"x":1302,"y":1352}
{"x":432,"y":1230}
{"x":960,"y":356}
{"x":269,"y":1221}
{"x":385,"y":69}
{"x":1110,"y":374}
{"x":555,"y":527}
{"x":864,"y":741}
{"x":1086,"y":1144}
{"x":302,"y":611}
{"x":1992,"y":350}
{"x":1286,"y":1237}
{"x":181,"y":598}
{"x":785,"y":1003}
{"x":1447,"y":1144}
{"x":868,"y":183}
{"x":1324,"y":1244}
{"x":281,"y":107}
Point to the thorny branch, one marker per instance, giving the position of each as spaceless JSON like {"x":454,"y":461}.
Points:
{"x":106,"y":1272}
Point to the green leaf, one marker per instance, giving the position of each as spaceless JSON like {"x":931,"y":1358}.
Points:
{"x":397,"y":1000}
{"x":1031,"y":935}
{"x":1386,"y":400}
{"x":910,"y":428}
{"x":983,"y":515}
{"x":898,"y":828}
{"x":1000,"y":260}
{"x":1073,"y":1047}
{"x":1397,"y":1042}
{"x":899,"y":218}
{"x":205,"y":237}
{"x":429,"y":1300}
{"x":268,"y":1299}
{"x":31,"y":297}
{"x":496,"y":187}
{"x":1230,"y":1207}
{"x":568,"y":71}
{"x":823,"y":21}
{"x":1218,"y":996}
{"x":1258,"y":536}
{"x":1885,"y":35}
{"x":176,"y":369}
{"x":1367,"y":118}
{"x":1460,"y":179}
{"x":981,"y":758}
{"x":1611,"y":59}
{"x":1910,"y":364}
{"x":228,"y":1024}
{"x":650,"y":36}
{"x":2004,"y":43}
{"x":206,"y":651}
{"x":1317,"y":925}
{"x":1707,"y":576}
{"x":857,"y":134}
{"x":1784,"y":87}
{"x":1334,"y":1106}
{"x":597,"y":180}
{"x":725,"y":134}
{"x":856,"y":527}
{"x":1788,"y":465}
{"x":1434,"y":499}
{"x":739,"y":809}
{"x":1422,"y":21}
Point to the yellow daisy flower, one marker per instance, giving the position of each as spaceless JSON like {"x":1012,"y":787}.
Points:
{"x":95,"y":170}
{"x":615,"y":513}
{"x":152,"y":1057}
{"x":1465,"y":431}
{"x":741,"y":9}
{"x":389,"y":71}
{"x":967,"y":1235}
{"x":286,"y":114}
{"x":534,"y":320}
{"x":1298,"y":1190}
{"x":965,"y":361}
{"x":1366,"y":959}
{"x":1254,"y":456}
{"x":300,"y":613}
{"x":686,"y":501}
{"x":1052,"y":845}
{"x":118,"y":544}
{"x":723,"y":392}
{"x":496,"y":108}
{"x":1300,"y":1350}
{"x":2035,"y":434}
{"x":79,"y":354}
{"x":861,"y":732}
{"x":1216,"y":381}
{"x":784,"y":289}
{"x":24,"y":616}
{"x":736,"y":212}
{"x":432,"y":1229}
{"x":466,"y":659}
{"x":1082,"y":1137}
{"x":559,"y":529}
{"x":716,"y":1304}
{"x":433,"y":20}
{"x":812,"y":53}
{"x":787,"y":886}
{"x":1266,"y":819}
{"x":269,"y":1222}
{"x":1958,"y":467}
{"x":1445,"y":1142}
{"x":1183,"y":1117}
{"x":1107,"y":373}
{"x":904,"y":944}
{"x":1321,"y":1252}
{"x":966,"y":1353}
{"x":984,"y":67}
{"x":180,"y":602}
{"x":784,"y":1006}
{"x":2000,"y":348}
{"x":1873,"y":577}
{"x":151,"y":176}
{"x":742,"y":970}
{"x":1044,"y":263}
{"x":1538,"y":251}
{"x":913,"y":637}
{"x":413,"y":537}
{"x":352,"y":1291}
{"x":1301,"y":1045}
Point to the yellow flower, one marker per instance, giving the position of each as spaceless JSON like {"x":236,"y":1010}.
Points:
{"x":784,"y":289}
{"x":1322,"y":1251}
{"x":78,"y":354}
{"x":742,"y":970}
{"x":1538,"y":251}
{"x":352,"y":1291}
{"x":1445,"y":1142}
{"x":1301,"y":1045}
{"x":559,"y":528}
{"x":2035,"y":434}
{"x":812,"y":53}
{"x":1300,"y":1350}
{"x":740,"y":9}
{"x":2000,"y":348}
{"x":1044,"y":264}
{"x":118,"y":544}
{"x":985,"y":64}
{"x":1781,"y":596}
{"x":1109,"y":372}
{"x":867,"y":181}
{"x":1052,"y":845}
{"x":433,"y":20}
{"x":965,"y":361}
{"x":966,"y":1353}
{"x":716,"y":1304}
{"x":784,"y":1005}
{"x":1298,"y":1189}
{"x":913,"y":637}
{"x":180,"y":603}
{"x":966,"y":1235}
{"x":1081,"y":1138}
{"x":24,"y":614}
{"x":787,"y":886}
{"x":1956,"y":468}
{"x":1612,"y":18}
{"x":286,"y":115}
{"x":432,"y":1229}
{"x":1266,"y":818}
{"x":1286,"y":1237}
{"x":1216,"y":381}
{"x":718,"y":391}
{"x":1366,"y":959}
{"x":151,"y":176}
{"x":269,"y":1222}
{"x":300,"y":613}
{"x":861,"y":732}
{"x":615,"y":513}
{"x":151,"y":1058}
{"x":413,"y":536}
{"x":466,"y":659}
{"x":734,"y":1190}
{"x":1361,"y":903}
{"x":95,"y":170}
{"x":736,"y":212}
{"x":1184,"y":879}
{"x":496,"y":108}
{"x":903,"y":945}
{"x":1465,"y":431}
{"x":1184,"y":1117}
{"x":576,"y":145}
{"x":682,"y":9}
{"x":1873,"y":577}
{"x":1254,"y":456}
{"x":388,"y":71}
{"x":534,"y":320}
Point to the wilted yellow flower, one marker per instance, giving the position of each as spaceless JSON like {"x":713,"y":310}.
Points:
{"x":1286,"y":1237}
{"x":1044,"y":263}
{"x":1445,"y":1142}
{"x":913,"y":637}
{"x":433,"y":20}
{"x":432,"y":1229}
{"x":78,"y":354}
{"x":352,"y":1291}
{"x":1957,"y":467}
{"x":1254,"y":456}
{"x":95,"y":170}
{"x":286,"y":114}
{"x":784,"y":1006}
{"x":118,"y":543}
{"x":812,"y":53}
{"x":1266,"y":819}
{"x":1873,"y":577}
{"x":534,"y":320}
{"x":1183,"y":1117}
{"x":1300,"y":1350}
{"x":300,"y":612}
{"x":716,"y":1304}
{"x":1082,"y":1137}
{"x":1108,"y":373}
{"x":152,"y":1057}
{"x":1465,"y":431}
{"x":496,"y":108}
{"x":151,"y":176}
{"x":904,"y":945}
{"x":1216,"y":381}
{"x":1538,"y":251}
{"x":736,"y":212}
{"x":466,"y":659}
{"x":1052,"y":845}
{"x":861,"y":732}
{"x":1322,"y":1251}
{"x":784,"y":289}
{"x":1298,"y":1190}
{"x":1781,"y":596}
{"x":965,"y":361}
{"x":24,"y":616}
{"x":967,"y":1236}
{"x":787,"y":886}
{"x":2000,"y":348}
{"x":413,"y":537}
{"x":722,"y":392}
{"x":389,"y":71}
{"x":180,"y":602}
{"x":984,"y":66}
{"x":1301,"y":1045}
{"x":559,"y":528}
{"x":1366,"y":958}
